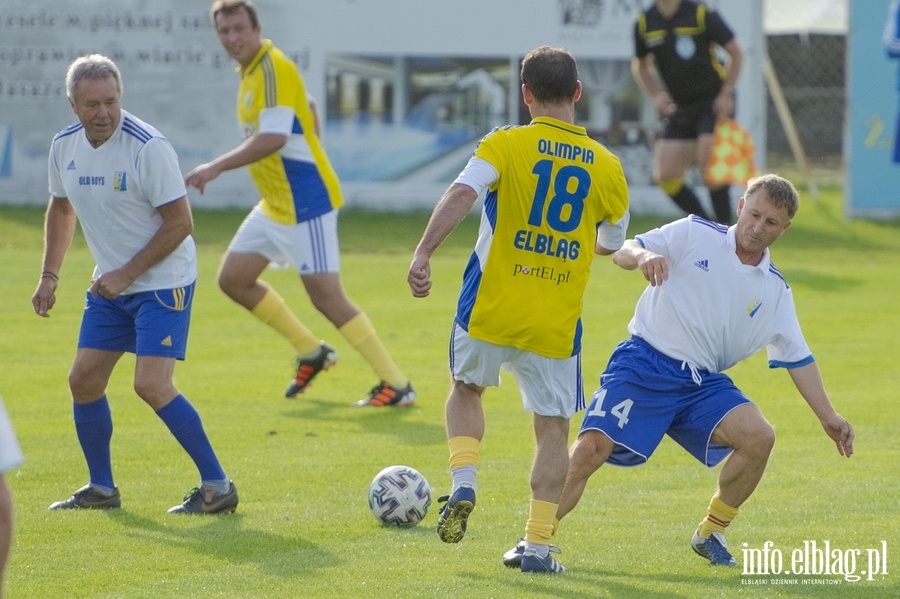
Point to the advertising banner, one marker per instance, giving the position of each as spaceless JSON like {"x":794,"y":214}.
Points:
{"x":405,"y":88}
{"x":873,"y":105}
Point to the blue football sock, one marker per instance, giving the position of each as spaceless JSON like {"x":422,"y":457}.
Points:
{"x":93,"y":424}
{"x":184,"y":423}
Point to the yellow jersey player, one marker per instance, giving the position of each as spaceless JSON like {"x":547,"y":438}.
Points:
{"x":553,"y":198}
{"x":296,"y":220}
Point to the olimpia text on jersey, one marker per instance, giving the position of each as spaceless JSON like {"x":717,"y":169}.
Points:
{"x":565,"y":151}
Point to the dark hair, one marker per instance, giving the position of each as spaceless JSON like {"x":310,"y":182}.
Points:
{"x":95,"y":67}
{"x":550,"y":74}
{"x":781,"y":192}
{"x":230,"y":7}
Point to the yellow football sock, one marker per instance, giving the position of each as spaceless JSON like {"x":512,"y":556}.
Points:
{"x":555,"y":526}
{"x":360,"y":333}
{"x":464,"y":451}
{"x":672,"y":186}
{"x":273,"y":311}
{"x":718,"y":517}
{"x":539,"y":526}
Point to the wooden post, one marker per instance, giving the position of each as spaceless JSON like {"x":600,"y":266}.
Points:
{"x":787,"y":124}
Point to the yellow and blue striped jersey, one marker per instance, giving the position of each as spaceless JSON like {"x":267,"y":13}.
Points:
{"x":298,"y":182}
{"x":525,"y":282}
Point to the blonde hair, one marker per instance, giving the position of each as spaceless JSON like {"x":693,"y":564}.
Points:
{"x":781,"y":192}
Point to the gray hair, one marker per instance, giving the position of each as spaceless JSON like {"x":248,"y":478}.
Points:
{"x":95,"y":67}
{"x":781,"y":192}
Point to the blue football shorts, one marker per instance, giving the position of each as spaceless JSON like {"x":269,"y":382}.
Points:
{"x":150,"y":323}
{"x":644,"y":395}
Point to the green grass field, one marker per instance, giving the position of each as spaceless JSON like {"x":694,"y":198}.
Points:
{"x":303,"y":466}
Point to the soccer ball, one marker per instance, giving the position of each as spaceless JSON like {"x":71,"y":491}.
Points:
{"x":399,"y":496}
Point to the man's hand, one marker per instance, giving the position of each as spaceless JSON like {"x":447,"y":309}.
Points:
{"x":201,"y":175}
{"x":111,"y":284}
{"x":664,"y":104}
{"x":841,"y":432}
{"x":44,"y":297}
{"x":723,"y":106}
{"x":654,"y":267}
{"x":419,"y":276}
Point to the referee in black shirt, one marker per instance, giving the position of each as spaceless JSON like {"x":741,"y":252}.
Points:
{"x":676,"y":63}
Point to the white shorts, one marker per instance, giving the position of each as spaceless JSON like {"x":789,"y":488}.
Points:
{"x":311,"y":247}
{"x":549,"y":386}
{"x":10,"y":452}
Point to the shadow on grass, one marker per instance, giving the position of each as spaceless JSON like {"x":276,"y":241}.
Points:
{"x":820,"y":281}
{"x":602,"y":583}
{"x":401,"y":423}
{"x":720,"y":582}
{"x":811,"y":239}
{"x":224,"y":537}
{"x":823,"y":226}
{"x":424,"y":529}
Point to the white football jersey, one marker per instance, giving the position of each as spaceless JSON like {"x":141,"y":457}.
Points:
{"x":115,"y":190}
{"x":714,"y":311}
{"x":10,"y":452}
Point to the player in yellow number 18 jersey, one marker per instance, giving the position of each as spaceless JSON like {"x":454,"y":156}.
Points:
{"x":554,"y":197}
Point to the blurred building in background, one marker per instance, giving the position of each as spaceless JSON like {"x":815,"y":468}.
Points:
{"x":405,"y":97}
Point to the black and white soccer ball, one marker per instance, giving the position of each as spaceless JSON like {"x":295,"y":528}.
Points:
{"x":399,"y":496}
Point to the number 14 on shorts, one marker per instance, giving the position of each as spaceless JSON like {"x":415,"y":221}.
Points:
{"x":620,"y":410}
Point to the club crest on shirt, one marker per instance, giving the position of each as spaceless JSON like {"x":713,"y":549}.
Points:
{"x":754,"y":307}
{"x":685,"y":47}
{"x":120,"y":181}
